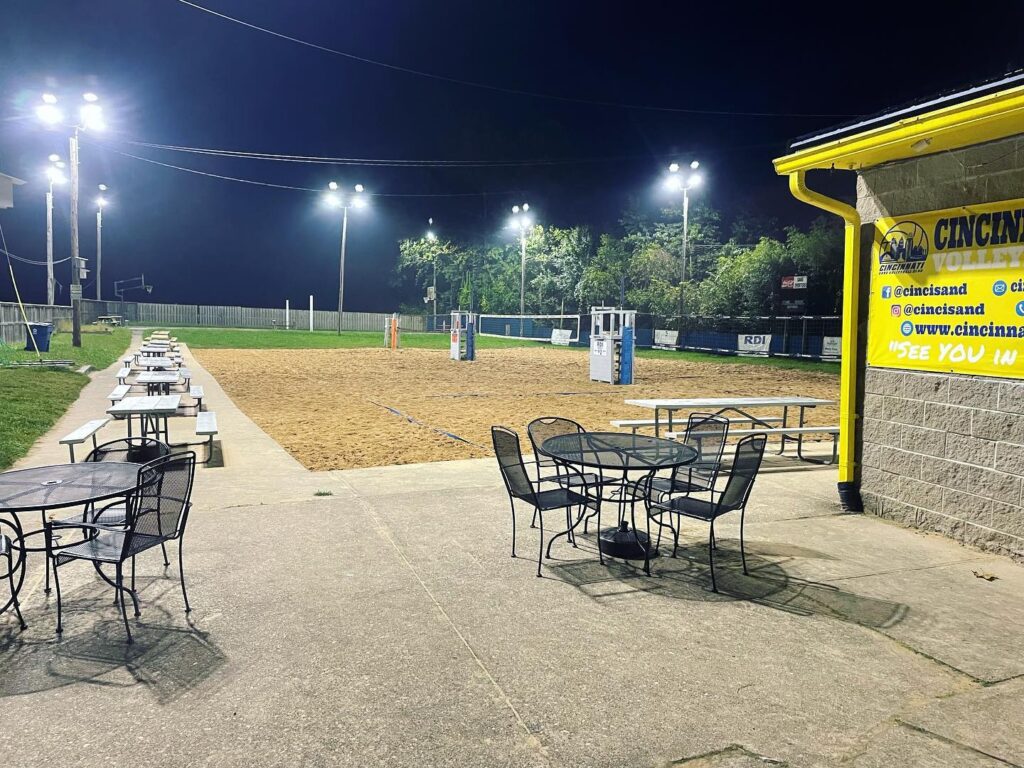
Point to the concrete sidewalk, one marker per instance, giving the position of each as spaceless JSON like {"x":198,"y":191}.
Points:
{"x":386,"y":624}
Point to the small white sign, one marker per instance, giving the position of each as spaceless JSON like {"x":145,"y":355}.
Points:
{"x":665,"y":338}
{"x":754,"y":343}
{"x":599,"y":346}
{"x":830,"y":346}
{"x":561,"y":336}
{"x":76,"y":292}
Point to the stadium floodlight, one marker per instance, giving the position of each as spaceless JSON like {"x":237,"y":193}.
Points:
{"x":677,"y":181}
{"x":334,"y":199}
{"x":91,"y":117}
{"x":48,"y":112}
{"x":55,"y":175}
{"x":54,"y":158}
{"x":522,"y":221}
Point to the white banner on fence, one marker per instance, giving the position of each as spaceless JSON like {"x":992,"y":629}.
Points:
{"x":830,"y":346}
{"x":561,"y":336}
{"x":754,"y":343}
{"x":666,"y":338}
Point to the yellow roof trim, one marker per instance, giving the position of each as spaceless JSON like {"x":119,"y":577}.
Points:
{"x":987,"y":118}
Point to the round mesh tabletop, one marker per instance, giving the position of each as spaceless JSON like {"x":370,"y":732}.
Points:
{"x":65,"y":485}
{"x":618,"y":450}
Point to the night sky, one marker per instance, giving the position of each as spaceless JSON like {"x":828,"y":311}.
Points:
{"x":167,"y":73}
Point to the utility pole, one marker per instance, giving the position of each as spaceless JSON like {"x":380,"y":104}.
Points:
{"x":341,"y":276}
{"x":49,"y":245}
{"x":76,"y":282}
{"x":99,"y":253}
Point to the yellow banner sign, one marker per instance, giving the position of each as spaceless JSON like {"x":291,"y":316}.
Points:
{"x":947,"y":291}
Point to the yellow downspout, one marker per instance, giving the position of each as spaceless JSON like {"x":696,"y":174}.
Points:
{"x":848,"y":490}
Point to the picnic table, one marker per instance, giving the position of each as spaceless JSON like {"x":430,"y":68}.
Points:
{"x":111,"y":319}
{"x":727,"y":405}
{"x":151,"y":349}
{"x":155,"y":362}
{"x":158,"y":382}
{"x":152,"y":411}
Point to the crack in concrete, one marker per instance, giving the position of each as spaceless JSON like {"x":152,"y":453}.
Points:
{"x":955,"y":743}
{"x":701,"y":760}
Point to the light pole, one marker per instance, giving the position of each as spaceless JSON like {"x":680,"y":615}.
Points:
{"x":334,"y":199}
{"x":54,"y":175}
{"x":90,"y":116}
{"x":521,"y":220}
{"x":101,"y":203}
{"x":680,"y":181}
{"x":431,"y":237}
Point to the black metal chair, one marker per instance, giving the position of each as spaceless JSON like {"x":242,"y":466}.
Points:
{"x":519,"y":486}
{"x":156,"y":512}
{"x":733,"y":498}
{"x":707,"y":433}
{"x":546,"y":427}
{"x":14,"y":562}
{"x":136,"y":450}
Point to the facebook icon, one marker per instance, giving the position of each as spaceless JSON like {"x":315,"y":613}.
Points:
{"x":886,"y":291}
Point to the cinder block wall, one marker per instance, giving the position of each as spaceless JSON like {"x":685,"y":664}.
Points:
{"x":945,"y":452}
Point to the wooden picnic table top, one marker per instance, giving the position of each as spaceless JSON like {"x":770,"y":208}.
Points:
{"x":156,"y":405}
{"x":678,"y":404}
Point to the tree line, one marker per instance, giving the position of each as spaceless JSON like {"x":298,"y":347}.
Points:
{"x":639,"y":266}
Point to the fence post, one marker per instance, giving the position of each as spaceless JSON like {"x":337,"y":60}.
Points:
{"x":311,"y":313}
{"x":803,"y":337}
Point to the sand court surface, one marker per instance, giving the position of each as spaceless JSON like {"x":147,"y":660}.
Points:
{"x":351,"y":408}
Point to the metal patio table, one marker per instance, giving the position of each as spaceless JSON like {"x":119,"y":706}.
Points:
{"x":616,"y":456}
{"x":42,"y":489}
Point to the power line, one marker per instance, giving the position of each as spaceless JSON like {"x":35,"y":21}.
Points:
{"x":502,"y":89}
{"x":32,"y":261}
{"x":257,"y":182}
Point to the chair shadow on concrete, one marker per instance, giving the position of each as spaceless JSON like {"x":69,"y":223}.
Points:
{"x":687,"y":577}
{"x":167,"y":657}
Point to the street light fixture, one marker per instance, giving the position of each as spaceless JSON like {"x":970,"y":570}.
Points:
{"x":679,"y":180}
{"x":522,"y":220}
{"x":334,"y":199}
{"x":432,"y":238}
{"x":90,"y":117}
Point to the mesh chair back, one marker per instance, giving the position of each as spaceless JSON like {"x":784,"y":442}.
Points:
{"x":510,"y":461}
{"x":137,"y":450}
{"x":706,"y":433}
{"x":541,"y":429}
{"x":164,"y":498}
{"x":749,"y":452}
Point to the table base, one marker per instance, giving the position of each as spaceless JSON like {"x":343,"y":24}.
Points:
{"x":626,"y":544}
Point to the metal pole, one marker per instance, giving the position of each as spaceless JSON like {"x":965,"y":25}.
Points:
{"x":76,"y":283}
{"x":341,"y":276}
{"x":49,"y":246}
{"x":311,"y":313}
{"x":686,"y":227}
{"x":522,"y":278}
{"x":99,"y":253}
{"x":435,"y":287}
{"x":287,"y":307}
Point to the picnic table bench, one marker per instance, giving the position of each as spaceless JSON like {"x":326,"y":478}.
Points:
{"x":83,"y":433}
{"x":206,"y":426}
{"x":636,"y":424}
{"x":795,"y":434}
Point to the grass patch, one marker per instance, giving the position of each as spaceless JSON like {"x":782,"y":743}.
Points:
{"x":237,"y":338}
{"x":770,"y":362}
{"x":31,"y":401}
{"x":324,"y":493}
{"x":101,"y":346}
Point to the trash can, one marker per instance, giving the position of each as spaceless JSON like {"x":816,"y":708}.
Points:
{"x":41,"y":333}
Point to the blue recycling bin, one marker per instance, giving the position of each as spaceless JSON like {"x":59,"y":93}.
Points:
{"x":41,"y":332}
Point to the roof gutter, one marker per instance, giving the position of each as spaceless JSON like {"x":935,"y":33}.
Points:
{"x":849,"y":491}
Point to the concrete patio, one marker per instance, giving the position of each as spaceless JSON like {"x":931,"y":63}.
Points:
{"x":386,"y":624}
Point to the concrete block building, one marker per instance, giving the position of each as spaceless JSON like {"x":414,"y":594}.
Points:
{"x":932,"y":382}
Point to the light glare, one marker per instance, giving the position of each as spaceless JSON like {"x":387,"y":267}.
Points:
{"x":49,"y":98}
{"x":696,"y":180}
{"x":331,"y":200}
{"x":103,"y":187}
{"x":359,"y":202}
{"x":359,"y":187}
{"x":92,"y":117}
{"x":49,"y":114}
{"x":431,"y":236}
{"x":674,"y":168}
{"x":332,"y":186}
{"x":54,"y":158}
{"x":55,"y":176}
{"x":695,"y":165}
{"x":101,"y":202}
{"x":90,"y":97}
{"x":673,"y":183}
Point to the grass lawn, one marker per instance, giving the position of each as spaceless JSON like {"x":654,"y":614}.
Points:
{"x":32,"y":399}
{"x":233,"y":338}
{"x":101,"y":346}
